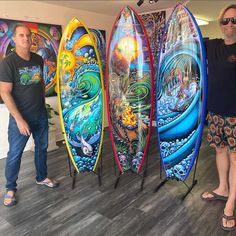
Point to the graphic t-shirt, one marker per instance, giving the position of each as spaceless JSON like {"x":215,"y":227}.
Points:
{"x":30,"y":75}
{"x":27,"y":80}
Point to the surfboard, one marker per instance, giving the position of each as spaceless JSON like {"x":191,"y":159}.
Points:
{"x":80,"y":96}
{"x":129,"y":90}
{"x":181,"y":94}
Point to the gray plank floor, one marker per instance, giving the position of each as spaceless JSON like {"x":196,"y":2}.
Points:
{"x":104,"y":211}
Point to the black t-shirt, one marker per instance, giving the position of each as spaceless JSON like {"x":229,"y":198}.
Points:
{"x":27,"y":79}
{"x":221,"y":77}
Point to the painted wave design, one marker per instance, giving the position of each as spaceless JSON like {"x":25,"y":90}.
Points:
{"x":129,"y":90}
{"x":81,"y":99}
{"x":179,"y":90}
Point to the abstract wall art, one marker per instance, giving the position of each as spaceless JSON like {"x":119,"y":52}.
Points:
{"x":45,"y":42}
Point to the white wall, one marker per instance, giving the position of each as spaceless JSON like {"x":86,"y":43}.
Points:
{"x":212,"y":30}
{"x":45,"y":13}
{"x":3,"y":130}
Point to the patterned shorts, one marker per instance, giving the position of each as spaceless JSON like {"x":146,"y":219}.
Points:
{"x":221,"y":131}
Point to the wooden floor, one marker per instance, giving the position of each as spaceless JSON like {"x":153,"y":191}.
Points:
{"x":104,"y":211}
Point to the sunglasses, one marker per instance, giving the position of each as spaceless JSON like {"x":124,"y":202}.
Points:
{"x":225,"y":21}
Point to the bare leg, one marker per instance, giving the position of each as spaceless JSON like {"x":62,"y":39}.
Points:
{"x":222,"y":163}
{"x":230,"y":204}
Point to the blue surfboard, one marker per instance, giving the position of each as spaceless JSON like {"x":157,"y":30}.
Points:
{"x":181,"y":94}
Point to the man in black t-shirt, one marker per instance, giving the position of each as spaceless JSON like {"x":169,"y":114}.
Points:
{"x":22,"y":90}
{"x":221,"y":104}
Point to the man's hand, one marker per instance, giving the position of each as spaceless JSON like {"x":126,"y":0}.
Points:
{"x":23,"y":127}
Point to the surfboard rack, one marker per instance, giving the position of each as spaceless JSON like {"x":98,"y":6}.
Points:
{"x":74,"y":174}
{"x":142,"y":176}
{"x":189,"y":187}
{"x":98,"y":173}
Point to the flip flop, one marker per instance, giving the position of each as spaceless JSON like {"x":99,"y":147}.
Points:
{"x":51,"y":183}
{"x":12,"y":202}
{"x":227,"y":218}
{"x":214,"y":197}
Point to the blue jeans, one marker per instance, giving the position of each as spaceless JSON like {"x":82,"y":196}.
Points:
{"x":39,"y":128}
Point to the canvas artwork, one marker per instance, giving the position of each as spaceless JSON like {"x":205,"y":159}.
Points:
{"x":45,"y":42}
{"x":99,"y":37}
{"x":154,"y":23}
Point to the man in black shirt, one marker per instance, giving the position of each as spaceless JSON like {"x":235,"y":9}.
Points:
{"x":22,"y":90}
{"x":221,"y":104}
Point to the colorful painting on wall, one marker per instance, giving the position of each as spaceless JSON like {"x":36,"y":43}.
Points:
{"x":45,"y":42}
{"x":154,"y":23}
{"x":99,"y":37}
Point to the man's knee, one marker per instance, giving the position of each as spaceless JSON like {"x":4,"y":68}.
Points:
{"x":223,"y":150}
{"x":233,"y":158}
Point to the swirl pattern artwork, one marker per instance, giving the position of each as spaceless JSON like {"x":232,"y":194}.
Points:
{"x":45,"y":42}
{"x":181,"y":93}
{"x":99,"y":37}
{"x":81,"y":95}
{"x":129,"y":91}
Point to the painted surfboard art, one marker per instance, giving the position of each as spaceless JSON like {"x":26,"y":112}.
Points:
{"x":80,"y":96}
{"x":129,"y":91}
{"x":181,"y":94}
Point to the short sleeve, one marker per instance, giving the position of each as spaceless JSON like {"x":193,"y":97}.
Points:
{"x":6,"y":73}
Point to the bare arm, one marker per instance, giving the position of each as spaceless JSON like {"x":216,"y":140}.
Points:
{"x":5,"y":91}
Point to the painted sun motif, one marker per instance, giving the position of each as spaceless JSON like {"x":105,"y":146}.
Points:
{"x":67,"y":60}
{"x":128,"y":49}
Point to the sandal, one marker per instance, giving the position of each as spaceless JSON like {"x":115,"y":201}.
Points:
{"x":227,"y":218}
{"x":12,"y":199}
{"x":51,"y":183}
{"x":214,"y":197}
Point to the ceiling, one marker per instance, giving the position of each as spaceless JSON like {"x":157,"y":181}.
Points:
{"x":207,"y":10}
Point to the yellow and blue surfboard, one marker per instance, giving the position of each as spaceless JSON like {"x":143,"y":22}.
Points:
{"x":80,"y":96}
